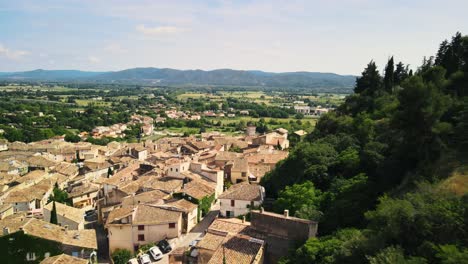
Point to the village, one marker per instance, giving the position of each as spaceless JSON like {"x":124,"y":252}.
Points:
{"x":193,"y":199}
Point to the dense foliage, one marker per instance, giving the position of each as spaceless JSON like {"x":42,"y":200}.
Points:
{"x":121,"y":256}
{"x":374,"y":167}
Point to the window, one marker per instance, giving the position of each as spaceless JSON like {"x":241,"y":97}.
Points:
{"x":141,"y":227}
{"x":233,"y":202}
{"x":141,"y":237}
{"x":31,"y":256}
{"x":171,"y":169}
{"x":171,"y":225}
{"x":244,"y":174}
{"x":248,"y":206}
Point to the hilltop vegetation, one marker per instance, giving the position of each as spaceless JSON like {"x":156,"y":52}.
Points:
{"x":316,"y":81}
{"x":385,"y":173}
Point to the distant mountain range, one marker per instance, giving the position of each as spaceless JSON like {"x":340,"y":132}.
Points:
{"x":164,"y":76}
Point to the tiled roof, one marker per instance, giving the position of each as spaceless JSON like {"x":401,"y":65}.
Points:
{"x":64,"y":259}
{"x":147,"y":214}
{"x":271,"y":158}
{"x":164,"y":184}
{"x":119,"y":213}
{"x":240,"y":165}
{"x":183,"y":205}
{"x":37,"y":191}
{"x":67,"y":169}
{"x":243,"y":191}
{"x":145,"y":197}
{"x":72,"y":213}
{"x":82,"y":189}
{"x":40,"y":161}
{"x":227,"y":155}
{"x":197,"y":189}
{"x":38,"y":228}
{"x":211,"y":241}
{"x":237,"y":249}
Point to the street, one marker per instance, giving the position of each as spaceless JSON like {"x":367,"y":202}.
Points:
{"x":197,"y":231}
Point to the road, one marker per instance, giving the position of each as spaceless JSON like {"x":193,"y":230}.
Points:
{"x":197,"y":231}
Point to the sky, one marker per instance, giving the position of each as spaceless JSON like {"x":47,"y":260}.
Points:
{"x":339,"y":36}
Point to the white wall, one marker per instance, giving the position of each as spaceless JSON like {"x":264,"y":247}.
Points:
{"x":239,"y":208}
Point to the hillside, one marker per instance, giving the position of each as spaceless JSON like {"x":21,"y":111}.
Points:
{"x":385,"y":174}
{"x":195,"y":77}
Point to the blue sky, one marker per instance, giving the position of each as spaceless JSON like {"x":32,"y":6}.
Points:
{"x":339,"y":36}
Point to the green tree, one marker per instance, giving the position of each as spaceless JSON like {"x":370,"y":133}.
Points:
{"x":121,"y":256}
{"x":53,"y":214}
{"x":370,"y":82}
{"x":389,"y":77}
{"x":299,"y":198}
{"x":393,"y":255}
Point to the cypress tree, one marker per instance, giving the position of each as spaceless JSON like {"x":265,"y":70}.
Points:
{"x":389,"y":75}
{"x":53,"y":214}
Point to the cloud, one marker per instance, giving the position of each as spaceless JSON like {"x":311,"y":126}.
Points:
{"x":154,"y":31}
{"x":93,"y":59}
{"x":115,"y":48}
{"x":12,"y":54}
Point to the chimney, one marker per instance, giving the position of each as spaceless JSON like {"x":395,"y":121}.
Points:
{"x":286,"y":213}
{"x":261,"y":210}
{"x":243,"y":219}
{"x":6,"y":231}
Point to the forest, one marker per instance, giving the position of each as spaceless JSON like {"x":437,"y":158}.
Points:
{"x":385,"y":174}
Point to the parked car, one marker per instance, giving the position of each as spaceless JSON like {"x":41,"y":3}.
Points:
{"x":132,"y":261}
{"x":164,"y":246}
{"x":156,"y":253}
{"x":145,"y":259}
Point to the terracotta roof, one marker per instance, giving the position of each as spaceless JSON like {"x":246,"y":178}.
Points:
{"x":67,"y":169}
{"x":231,"y":226}
{"x":119,"y":213}
{"x":35,"y":175}
{"x":259,"y":170}
{"x":82,"y":189}
{"x":227,"y":155}
{"x":240,"y":165}
{"x":237,"y":249}
{"x":183,"y":205}
{"x":243,"y":191}
{"x":38,"y":228}
{"x":72,"y":213}
{"x":211,"y":241}
{"x":197,"y":189}
{"x":163,"y":183}
{"x":145,"y":197}
{"x":97,"y":164}
{"x":271,"y":158}
{"x":147,"y":214}
{"x":64,"y":259}
{"x":40,"y":161}
{"x":33,"y":192}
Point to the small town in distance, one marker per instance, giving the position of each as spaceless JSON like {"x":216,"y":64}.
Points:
{"x":233,"y":132}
